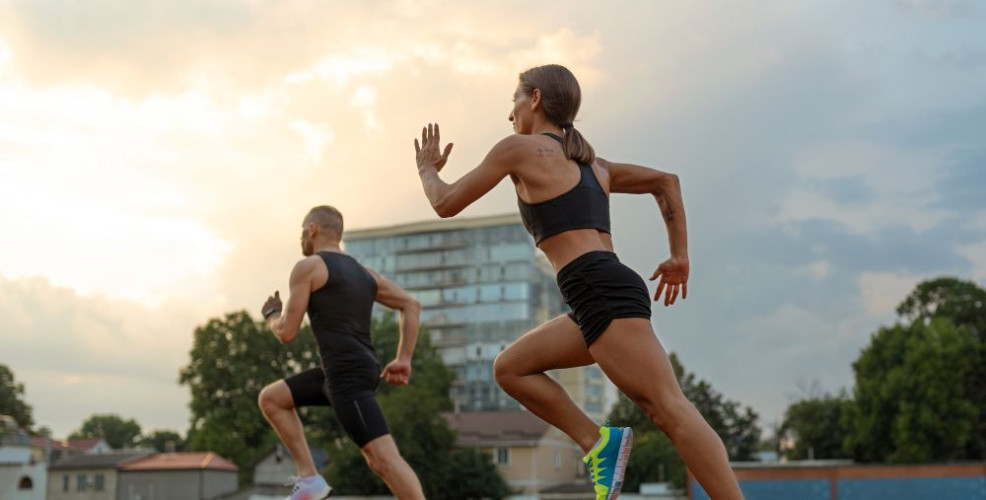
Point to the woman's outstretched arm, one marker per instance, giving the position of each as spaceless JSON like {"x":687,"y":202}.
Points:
{"x":450,"y":199}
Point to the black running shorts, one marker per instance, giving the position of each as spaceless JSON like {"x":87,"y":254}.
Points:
{"x":600,"y":289}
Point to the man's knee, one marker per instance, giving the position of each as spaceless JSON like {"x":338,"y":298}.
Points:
{"x":381,"y":461}
{"x":272,"y":398}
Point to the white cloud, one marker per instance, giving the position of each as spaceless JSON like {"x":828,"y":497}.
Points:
{"x":81,"y":355}
{"x":976,"y":253}
{"x":341,"y":68}
{"x":169,"y":160}
{"x":881,"y":293}
{"x":898,"y":178}
{"x":316,"y":137}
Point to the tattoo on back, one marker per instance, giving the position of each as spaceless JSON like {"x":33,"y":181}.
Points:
{"x":542,"y":152}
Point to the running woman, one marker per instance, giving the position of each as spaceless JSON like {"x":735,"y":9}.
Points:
{"x":563,"y":195}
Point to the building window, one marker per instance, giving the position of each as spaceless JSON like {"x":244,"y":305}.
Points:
{"x":99,"y":482}
{"x":25,"y":484}
{"x":503,"y":456}
{"x":558,"y":459}
{"x":65,"y":481}
{"x":80,"y":483}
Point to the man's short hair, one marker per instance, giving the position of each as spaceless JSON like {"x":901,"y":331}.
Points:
{"x":327,"y":218}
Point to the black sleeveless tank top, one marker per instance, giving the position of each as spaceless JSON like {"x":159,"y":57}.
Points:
{"x":585,"y":206}
{"x":340,"y":314}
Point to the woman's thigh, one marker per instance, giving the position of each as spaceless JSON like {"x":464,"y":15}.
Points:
{"x":632,"y":358}
{"x":553,"y":345}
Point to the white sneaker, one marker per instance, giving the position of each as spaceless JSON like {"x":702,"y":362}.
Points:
{"x":314,"y":488}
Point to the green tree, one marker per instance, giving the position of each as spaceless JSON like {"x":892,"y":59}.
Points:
{"x":12,"y":399}
{"x":654,"y":457}
{"x":473,"y":476}
{"x":815,"y":424}
{"x":159,"y":440}
{"x":231,"y":360}
{"x":964,"y":304}
{"x":912,"y":397}
{"x":117,"y":432}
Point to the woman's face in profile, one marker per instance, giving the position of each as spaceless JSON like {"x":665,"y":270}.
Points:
{"x":520,"y":116}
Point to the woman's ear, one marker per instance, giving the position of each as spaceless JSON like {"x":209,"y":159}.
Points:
{"x":535,"y":99}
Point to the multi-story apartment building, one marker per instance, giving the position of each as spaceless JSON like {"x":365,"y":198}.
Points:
{"x":481,"y":283}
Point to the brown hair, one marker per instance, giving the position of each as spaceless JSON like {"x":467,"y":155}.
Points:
{"x":327,"y":218}
{"x":561,"y":97}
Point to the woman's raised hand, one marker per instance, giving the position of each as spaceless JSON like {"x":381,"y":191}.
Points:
{"x":428,"y":152}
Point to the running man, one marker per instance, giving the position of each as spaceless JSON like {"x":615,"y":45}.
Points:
{"x":338,"y":294}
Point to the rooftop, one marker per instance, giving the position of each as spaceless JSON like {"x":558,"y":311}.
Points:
{"x":431,"y":226}
{"x":181,"y":461}
{"x":99,"y":460}
{"x":477,"y":428}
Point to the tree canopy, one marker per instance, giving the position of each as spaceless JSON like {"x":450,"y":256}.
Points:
{"x":117,"y":432}
{"x":920,"y":384}
{"x":12,"y":399}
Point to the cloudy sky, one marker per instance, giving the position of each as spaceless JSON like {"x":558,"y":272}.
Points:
{"x":156,"y":158}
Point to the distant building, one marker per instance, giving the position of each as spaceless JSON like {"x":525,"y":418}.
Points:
{"x":21,"y":476}
{"x":271,"y":474}
{"x":188,"y":476}
{"x":482,"y":284}
{"x":276,"y":467}
{"x":48,"y":450}
{"x":530,"y":455}
{"x":89,"y":477}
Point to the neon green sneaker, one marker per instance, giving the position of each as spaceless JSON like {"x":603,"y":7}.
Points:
{"x":608,"y":460}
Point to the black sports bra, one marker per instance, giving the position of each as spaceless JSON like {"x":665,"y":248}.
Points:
{"x":585,"y":206}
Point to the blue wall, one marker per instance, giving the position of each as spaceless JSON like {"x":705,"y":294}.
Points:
{"x":917,"y":488}
{"x":780,"y":489}
{"x":914,"y":488}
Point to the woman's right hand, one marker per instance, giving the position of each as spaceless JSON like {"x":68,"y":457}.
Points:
{"x":427,"y":152}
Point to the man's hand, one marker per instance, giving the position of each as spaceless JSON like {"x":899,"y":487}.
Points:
{"x":674,"y":278}
{"x":397,"y":372}
{"x":272,"y":306}
{"x":427,"y":152}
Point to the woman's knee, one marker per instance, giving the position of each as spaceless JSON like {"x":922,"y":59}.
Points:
{"x":502,"y":368}
{"x":667,"y":410}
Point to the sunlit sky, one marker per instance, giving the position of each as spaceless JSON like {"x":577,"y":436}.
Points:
{"x":156,"y":159}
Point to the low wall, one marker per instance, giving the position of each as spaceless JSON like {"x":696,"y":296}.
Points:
{"x":856,"y":482}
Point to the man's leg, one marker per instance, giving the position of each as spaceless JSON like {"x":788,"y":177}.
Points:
{"x":278,"y":402}
{"x":277,"y":405}
{"x":386,"y":461}
{"x":364,"y":422}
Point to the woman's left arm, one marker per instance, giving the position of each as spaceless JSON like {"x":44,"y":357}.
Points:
{"x":450,"y":199}
{"x":666,"y":189}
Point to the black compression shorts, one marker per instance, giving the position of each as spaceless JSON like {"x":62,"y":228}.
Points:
{"x":357,"y":410}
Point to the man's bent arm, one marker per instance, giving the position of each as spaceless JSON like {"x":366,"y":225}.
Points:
{"x":395,"y":297}
{"x":285,"y":324}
